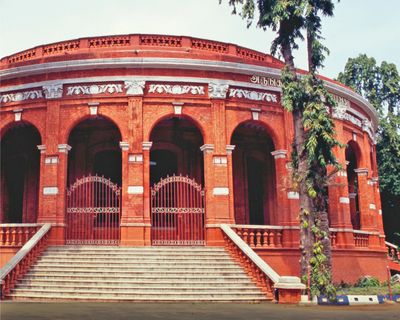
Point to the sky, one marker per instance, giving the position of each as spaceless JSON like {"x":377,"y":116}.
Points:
{"x":359,"y":26}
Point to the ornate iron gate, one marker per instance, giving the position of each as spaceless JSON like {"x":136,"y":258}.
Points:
{"x":93,"y":211}
{"x":177,"y":212}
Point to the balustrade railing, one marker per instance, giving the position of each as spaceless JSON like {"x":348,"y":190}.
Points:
{"x":260,"y":236}
{"x":23,"y":260}
{"x":361,"y":239}
{"x":17,"y":234}
{"x":262,"y":274}
{"x":393,"y":251}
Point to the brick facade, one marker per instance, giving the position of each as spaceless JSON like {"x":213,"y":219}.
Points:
{"x":229,"y":95}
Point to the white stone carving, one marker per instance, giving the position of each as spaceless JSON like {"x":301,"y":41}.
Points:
{"x":51,"y":160}
{"x":207,"y":148}
{"x":344,"y":200}
{"x":146,"y":145}
{"x":64,"y":148}
{"x":176,"y":89}
{"x":177,"y":107}
{"x":53,"y":91}
{"x":293,"y":195}
{"x":220,"y":191}
{"x":253,"y":95}
{"x":361,"y":171}
{"x":217,"y":90}
{"x":230,"y":148}
{"x":134,"y":88}
{"x":124,"y":145}
{"x":339,"y":112}
{"x":20,"y":96}
{"x":135,"y":157}
{"x":93,"y":108}
{"x":220,"y":160}
{"x":372,"y":206}
{"x":41,"y":148}
{"x":135,"y":189}
{"x":17,"y":114}
{"x":279,"y":154}
{"x":95,"y":89}
{"x":48,"y":191}
{"x":255,"y":113}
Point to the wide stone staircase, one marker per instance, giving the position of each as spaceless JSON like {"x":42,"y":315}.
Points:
{"x":136,"y":274}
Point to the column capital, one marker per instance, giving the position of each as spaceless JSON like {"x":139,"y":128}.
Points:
{"x":279,"y":154}
{"x":64,"y":148}
{"x":53,"y":91}
{"x":217,"y":90}
{"x":124,"y":145}
{"x":361,"y":171}
{"x":41,"y":148}
{"x":207,"y":148}
{"x":146,"y":145}
{"x":134,"y":88}
{"x":230,"y":148}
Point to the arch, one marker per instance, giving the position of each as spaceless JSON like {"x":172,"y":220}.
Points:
{"x":276,"y":139}
{"x":355,"y":147}
{"x":12,"y":124}
{"x":20,"y":166}
{"x":95,"y":149}
{"x":64,"y":136}
{"x":253,"y":174}
{"x":169,"y":115}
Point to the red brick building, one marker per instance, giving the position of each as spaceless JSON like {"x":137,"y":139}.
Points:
{"x":143,"y":140}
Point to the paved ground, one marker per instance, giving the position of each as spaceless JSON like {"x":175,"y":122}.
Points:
{"x":183,"y":311}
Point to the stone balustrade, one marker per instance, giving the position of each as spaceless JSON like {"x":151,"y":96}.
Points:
{"x":17,"y":234}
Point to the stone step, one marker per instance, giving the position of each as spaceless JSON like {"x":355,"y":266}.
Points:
{"x":141,"y":298}
{"x":127,"y":292}
{"x":142,"y":283}
{"x":138,"y":255}
{"x":124,"y":277}
{"x":134,"y":288}
{"x":189,"y":249}
{"x":144,"y":259}
{"x":138,"y":268}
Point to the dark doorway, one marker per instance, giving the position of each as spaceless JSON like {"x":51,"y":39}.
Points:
{"x":253,"y":174}
{"x":20,"y":166}
{"x":352,"y":181}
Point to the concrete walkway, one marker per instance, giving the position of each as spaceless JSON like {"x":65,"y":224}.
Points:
{"x":224,"y":311}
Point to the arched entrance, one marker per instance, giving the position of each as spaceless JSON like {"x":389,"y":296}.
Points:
{"x":352,"y":181}
{"x":20,"y":167}
{"x":253,"y":174}
{"x":176,"y":175}
{"x":94,"y":178}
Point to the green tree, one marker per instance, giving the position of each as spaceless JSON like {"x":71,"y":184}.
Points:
{"x":380,"y":84}
{"x":306,"y":97}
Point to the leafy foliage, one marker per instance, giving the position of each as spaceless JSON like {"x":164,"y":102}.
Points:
{"x":307,"y":98}
{"x":381,"y":86}
{"x":367,"y":281}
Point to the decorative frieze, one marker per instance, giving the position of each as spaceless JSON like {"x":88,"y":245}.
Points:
{"x":53,"y":91}
{"x":21,"y":96}
{"x":176,"y":89}
{"x":266,"y":81}
{"x":134,"y":88}
{"x":253,"y":95}
{"x":217,"y":90}
{"x":94,"y":89}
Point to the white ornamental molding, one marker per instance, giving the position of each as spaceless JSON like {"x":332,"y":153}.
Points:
{"x":134,"y":88}
{"x":217,"y":90}
{"x":279,"y":154}
{"x":230,"y":148}
{"x":41,"y":148}
{"x":64,"y":148}
{"x":146,"y":145}
{"x":95,"y":89}
{"x":339,"y":112}
{"x":93,"y":108}
{"x":17,"y":114}
{"x":53,"y":91}
{"x":207,"y":148}
{"x":21,"y":96}
{"x":124,"y":145}
{"x":176,"y":89}
{"x":253,"y":95}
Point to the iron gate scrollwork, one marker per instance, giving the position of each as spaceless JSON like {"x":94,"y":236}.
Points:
{"x":93,"y":211}
{"x":177,"y":212}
